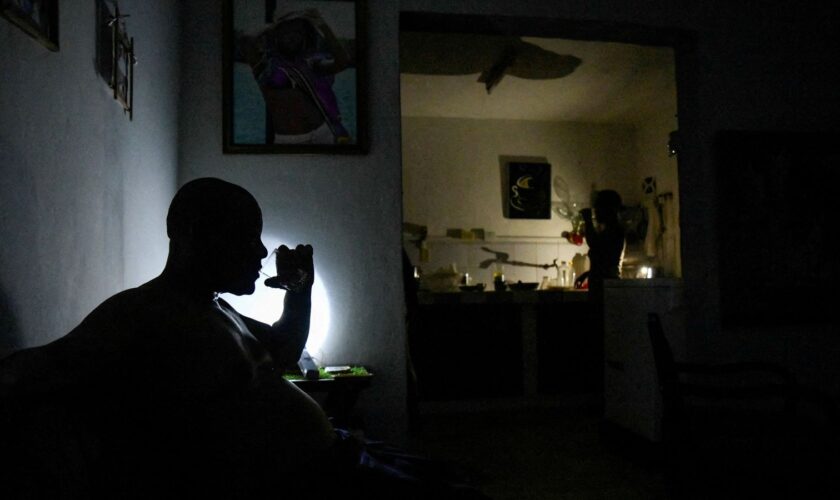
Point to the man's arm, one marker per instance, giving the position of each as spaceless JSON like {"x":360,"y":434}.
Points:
{"x":286,"y":338}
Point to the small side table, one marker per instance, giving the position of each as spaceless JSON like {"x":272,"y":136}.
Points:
{"x":337,"y":395}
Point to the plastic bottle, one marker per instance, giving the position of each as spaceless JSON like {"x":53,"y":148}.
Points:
{"x":564,"y":275}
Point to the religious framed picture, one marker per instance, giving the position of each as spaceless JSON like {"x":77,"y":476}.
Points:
{"x":528,"y":191}
{"x":294,"y":75}
{"x":37,"y":18}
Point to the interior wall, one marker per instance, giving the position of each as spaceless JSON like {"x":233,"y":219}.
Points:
{"x":83,"y":190}
{"x":654,"y":160}
{"x":452,"y":169}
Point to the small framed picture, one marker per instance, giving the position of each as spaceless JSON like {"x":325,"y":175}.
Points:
{"x":37,"y":18}
{"x":122,"y":69}
{"x":115,"y":57}
{"x":294,"y":74}
{"x":528,"y":191}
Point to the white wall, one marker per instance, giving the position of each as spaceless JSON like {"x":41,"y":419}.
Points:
{"x":83,"y":191}
{"x":654,"y":160}
{"x":452,"y":178}
{"x":452,"y":169}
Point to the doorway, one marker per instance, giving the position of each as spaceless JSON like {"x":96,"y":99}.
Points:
{"x":596,"y":103}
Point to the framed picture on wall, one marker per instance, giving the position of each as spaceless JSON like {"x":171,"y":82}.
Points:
{"x":294,"y":74}
{"x":38,"y":18}
{"x":528,"y":191}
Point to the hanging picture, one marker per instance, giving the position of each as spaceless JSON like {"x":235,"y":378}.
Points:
{"x":122,"y":69}
{"x":38,"y":18}
{"x":115,"y":58}
{"x":294,"y":76}
{"x":528,"y":191}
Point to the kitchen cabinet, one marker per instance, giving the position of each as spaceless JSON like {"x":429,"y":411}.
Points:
{"x":632,"y":399}
{"x":468,"y":345}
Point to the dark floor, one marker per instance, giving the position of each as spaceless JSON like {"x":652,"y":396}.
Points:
{"x":559,"y":450}
{"x":547,"y":451}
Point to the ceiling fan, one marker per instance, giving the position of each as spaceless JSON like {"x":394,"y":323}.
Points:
{"x":491,"y":56}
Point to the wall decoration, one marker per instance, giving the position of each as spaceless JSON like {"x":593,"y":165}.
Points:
{"x":294,"y":75}
{"x":777,"y":227}
{"x":115,"y":57}
{"x":528,"y":191}
{"x":38,"y":18}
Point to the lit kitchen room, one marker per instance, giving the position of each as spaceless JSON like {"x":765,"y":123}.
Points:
{"x":502,"y":324}
{"x":587,"y":115}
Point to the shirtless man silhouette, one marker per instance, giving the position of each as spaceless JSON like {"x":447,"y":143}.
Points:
{"x":184,"y":393}
{"x":165,"y":391}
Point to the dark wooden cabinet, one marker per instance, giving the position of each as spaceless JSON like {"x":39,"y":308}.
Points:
{"x":471,"y":345}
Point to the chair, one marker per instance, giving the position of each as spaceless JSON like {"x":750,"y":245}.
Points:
{"x":735,"y":441}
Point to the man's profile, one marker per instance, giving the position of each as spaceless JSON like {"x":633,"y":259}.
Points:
{"x":183,"y":391}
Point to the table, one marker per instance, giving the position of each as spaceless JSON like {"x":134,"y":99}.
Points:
{"x":337,"y":396}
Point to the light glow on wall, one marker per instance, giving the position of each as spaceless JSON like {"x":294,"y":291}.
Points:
{"x":266,"y":304}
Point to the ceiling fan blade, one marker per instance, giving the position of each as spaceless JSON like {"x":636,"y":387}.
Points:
{"x":494,"y":75}
{"x":450,"y":53}
{"x":535,"y":63}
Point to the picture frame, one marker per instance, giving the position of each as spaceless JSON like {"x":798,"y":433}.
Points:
{"x":294,"y":77}
{"x":122,"y":67}
{"x":115,"y":56}
{"x":37,"y":18}
{"x":528,"y":190}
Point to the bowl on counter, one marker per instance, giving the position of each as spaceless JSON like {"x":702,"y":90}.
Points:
{"x":520,"y":286}
{"x":478,"y":287}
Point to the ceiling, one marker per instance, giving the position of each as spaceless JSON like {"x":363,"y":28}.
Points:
{"x":613,"y":83}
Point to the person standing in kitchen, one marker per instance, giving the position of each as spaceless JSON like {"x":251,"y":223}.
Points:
{"x":605,"y":238}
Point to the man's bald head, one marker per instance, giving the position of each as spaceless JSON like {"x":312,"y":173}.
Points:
{"x":206,"y":205}
{"x":214,"y":230}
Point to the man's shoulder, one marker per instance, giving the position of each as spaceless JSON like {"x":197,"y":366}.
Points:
{"x":123,"y":303}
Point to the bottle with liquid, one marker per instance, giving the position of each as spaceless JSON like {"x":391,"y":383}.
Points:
{"x":564,"y":275}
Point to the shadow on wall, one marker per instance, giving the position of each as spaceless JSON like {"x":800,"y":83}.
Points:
{"x":9,"y":334}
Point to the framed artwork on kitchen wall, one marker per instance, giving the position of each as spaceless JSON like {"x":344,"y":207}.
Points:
{"x":294,"y":76}
{"x":37,"y":18}
{"x":528,"y":191}
{"x":777,"y":227}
